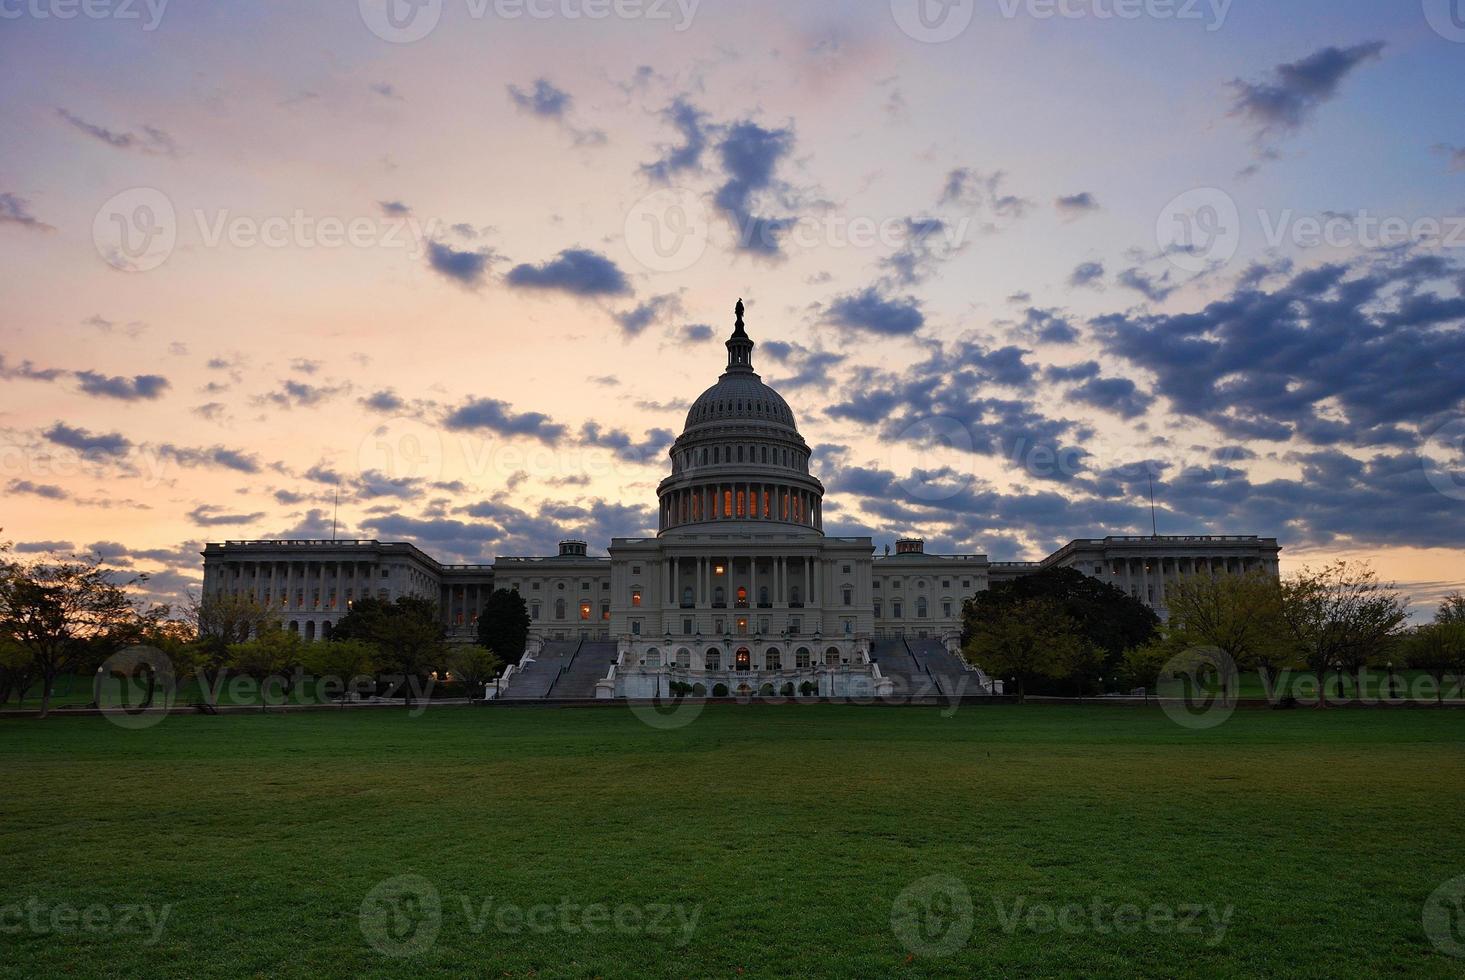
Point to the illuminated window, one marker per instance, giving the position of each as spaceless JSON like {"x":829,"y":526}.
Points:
{"x":585,"y":610}
{"x":635,"y":597}
{"x":742,"y":505}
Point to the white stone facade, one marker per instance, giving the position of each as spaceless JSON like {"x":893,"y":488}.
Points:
{"x":740,"y":587}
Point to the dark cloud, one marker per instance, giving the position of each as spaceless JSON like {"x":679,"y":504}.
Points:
{"x":1365,"y":353}
{"x":385,"y":401}
{"x":493,"y":415}
{"x":808,"y":368}
{"x":925,"y":244}
{"x":871,"y":311}
{"x":304,"y":365}
{"x":48,"y":490}
{"x":637,"y":319}
{"x":691,"y":123}
{"x":17,"y":211}
{"x":1087,"y":274}
{"x":394,"y":209}
{"x":468,"y":268}
{"x":1155,"y":289}
{"x":549,"y":102}
{"x":300,"y":394}
{"x":45,"y":547}
{"x":141,"y":387}
{"x":215,"y":456}
{"x":26,"y":371}
{"x":543,"y":99}
{"x":1077,"y":205}
{"x":972,"y":189}
{"x":697,"y":333}
{"x":84,"y":441}
{"x":385,"y":89}
{"x":1117,"y":395}
{"x":152,"y":140}
{"x":1281,"y":104}
{"x":321,"y":473}
{"x":1046,"y":327}
{"x":577,"y":271}
{"x":750,"y":156}
{"x":651,"y":448}
{"x":1455,"y":154}
{"x":207,"y":515}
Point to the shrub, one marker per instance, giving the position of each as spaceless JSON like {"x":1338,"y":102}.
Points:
{"x":788,"y":689}
{"x":766,"y":691}
{"x":808,"y":689}
{"x":699,"y":690}
{"x":719,"y":690}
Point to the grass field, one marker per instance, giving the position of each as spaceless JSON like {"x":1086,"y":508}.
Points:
{"x":755,"y":841}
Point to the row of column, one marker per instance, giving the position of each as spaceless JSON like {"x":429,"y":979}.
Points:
{"x":312,"y":589}
{"x":741,"y":501}
{"x":780,"y":591}
{"x":1177,"y":568}
{"x":464,"y":602}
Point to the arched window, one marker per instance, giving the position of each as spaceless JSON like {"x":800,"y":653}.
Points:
{"x":773,"y":659}
{"x":793,"y":595}
{"x":762,"y":595}
{"x":921,"y":607}
{"x":310,"y":631}
{"x":743,"y":660}
{"x":684,"y":657}
{"x":559,"y":609}
{"x":653,"y":657}
{"x":803,"y":658}
{"x":742,"y":597}
{"x":687,"y":596}
{"x":719,"y":597}
{"x":295,"y":626}
{"x":713,"y":659}
{"x":831,"y":656}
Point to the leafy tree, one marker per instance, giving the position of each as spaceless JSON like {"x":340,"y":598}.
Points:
{"x":1105,"y":617}
{"x":503,"y":624}
{"x":1338,"y":617}
{"x":66,"y":614}
{"x":220,"y":622}
{"x":275,"y":652}
{"x":1026,"y":639}
{"x":1438,"y":649}
{"x":345,"y":660}
{"x":474,"y":665}
{"x":407,"y":634}
{"x":1142,"y":664}
{"x":1452,"y":609}
{"x":17,"y":669}
{"x":1236,"y":614}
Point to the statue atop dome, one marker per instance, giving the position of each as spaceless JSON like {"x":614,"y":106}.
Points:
{"x":739,"y":345}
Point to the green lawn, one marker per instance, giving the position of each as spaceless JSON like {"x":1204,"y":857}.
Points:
{"x":788,"y":832}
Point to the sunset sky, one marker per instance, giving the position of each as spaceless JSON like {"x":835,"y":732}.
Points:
{"x":465,"y":264}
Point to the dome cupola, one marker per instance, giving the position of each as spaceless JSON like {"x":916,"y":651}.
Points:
{"x":740,"y":456}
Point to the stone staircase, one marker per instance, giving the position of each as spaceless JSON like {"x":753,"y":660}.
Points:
{"x":533,"y":680}
{"x":951,"y":674}
{"x":590,"y":663}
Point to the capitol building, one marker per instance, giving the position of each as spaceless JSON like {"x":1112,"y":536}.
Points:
{"x":740,"y":592}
